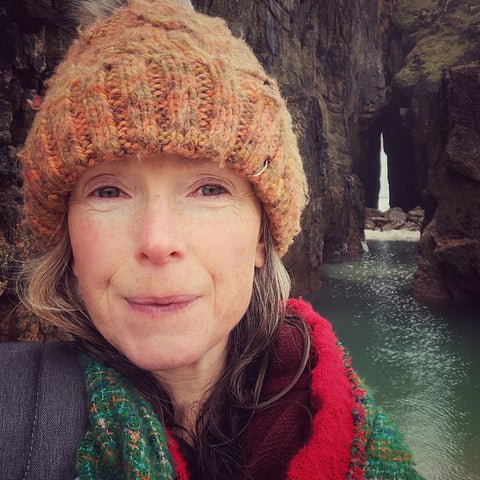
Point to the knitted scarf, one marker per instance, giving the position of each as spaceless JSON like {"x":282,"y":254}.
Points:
{"x":124,"y":439}
{"x":351,"y":438}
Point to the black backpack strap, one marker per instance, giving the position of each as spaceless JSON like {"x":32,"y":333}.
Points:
{"x":43,"y":410}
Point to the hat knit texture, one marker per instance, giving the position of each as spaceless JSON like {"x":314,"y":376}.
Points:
{"x":156,"y":76}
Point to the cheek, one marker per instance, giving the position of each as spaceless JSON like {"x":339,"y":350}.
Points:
{"x":93,"y":244}
{"x":232,"y":262}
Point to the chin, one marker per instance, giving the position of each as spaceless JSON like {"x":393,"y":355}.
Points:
{"x":155,"y":361}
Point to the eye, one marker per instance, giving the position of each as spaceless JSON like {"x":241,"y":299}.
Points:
{"x":211,"y":190}
{"x":107,"y":192}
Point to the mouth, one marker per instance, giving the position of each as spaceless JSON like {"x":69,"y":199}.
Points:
{"x":160,"y":305}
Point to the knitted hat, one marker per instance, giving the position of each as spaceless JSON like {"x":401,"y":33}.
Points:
{"x":156,"y":76}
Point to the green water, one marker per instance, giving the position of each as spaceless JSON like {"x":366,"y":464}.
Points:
{"x":423,"y":365}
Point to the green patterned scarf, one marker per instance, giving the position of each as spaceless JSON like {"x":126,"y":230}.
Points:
{"x":124,"y":438}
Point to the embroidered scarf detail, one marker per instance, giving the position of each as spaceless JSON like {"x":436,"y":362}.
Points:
{"x":124,"y":439}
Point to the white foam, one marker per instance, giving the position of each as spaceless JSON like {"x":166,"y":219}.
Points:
{"x":392,"y":235}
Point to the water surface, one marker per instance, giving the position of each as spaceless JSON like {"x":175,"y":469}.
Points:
{"x":423,"y":365}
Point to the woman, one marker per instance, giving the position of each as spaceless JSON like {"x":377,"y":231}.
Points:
{"x":163,"y":182}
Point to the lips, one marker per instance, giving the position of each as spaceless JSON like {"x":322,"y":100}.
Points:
{"x":160,"y":305}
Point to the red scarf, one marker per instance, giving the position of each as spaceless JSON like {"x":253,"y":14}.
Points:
{"x":281,"y":441}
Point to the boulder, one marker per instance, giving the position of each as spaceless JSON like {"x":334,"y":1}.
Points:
{"x":393,"y":219}
{"x":396,"y":215}
{"x":416,"y":216}
{"x":410,"y":227}
{"x":379,"y":222}
{"x":373,"y":212}
{"x":370,"y":224}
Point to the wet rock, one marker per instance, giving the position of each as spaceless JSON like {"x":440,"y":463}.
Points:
{"x":373,"y":212}
{"x":449,"y":267}
{"x":378,"y":222}
{"x":370,"y":224}
{"x":388,"y":227}
{"x":416,"y":216}
{"x":410,"y":227}
{"x":6,"y":118}
{"x":396,"y":215}
{"x":394,"y":219}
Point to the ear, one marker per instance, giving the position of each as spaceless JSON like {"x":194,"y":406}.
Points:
{"x":260,"y":253}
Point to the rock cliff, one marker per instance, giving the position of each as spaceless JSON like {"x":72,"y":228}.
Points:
{"x":33,"y":38}
{"x":350,"y":71}
{"x":449,"y":267}
{"x":434,"y":106}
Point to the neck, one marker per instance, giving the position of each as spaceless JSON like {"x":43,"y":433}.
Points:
{"x":189,"y":385}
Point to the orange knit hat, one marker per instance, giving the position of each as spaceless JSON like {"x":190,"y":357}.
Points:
{"x":156,"y":76}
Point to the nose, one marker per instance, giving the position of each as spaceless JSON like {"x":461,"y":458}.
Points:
{"x":160,"y":234}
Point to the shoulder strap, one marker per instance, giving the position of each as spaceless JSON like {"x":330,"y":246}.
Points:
{"x":43,"y":410}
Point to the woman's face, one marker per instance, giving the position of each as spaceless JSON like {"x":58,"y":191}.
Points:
{"x":164,"y":250}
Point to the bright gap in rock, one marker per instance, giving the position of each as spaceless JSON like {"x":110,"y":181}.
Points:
{"x":384,"y":195}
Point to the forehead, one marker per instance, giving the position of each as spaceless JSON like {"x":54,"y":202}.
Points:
{"x":176,"y":160}
{"x":150,"y":162}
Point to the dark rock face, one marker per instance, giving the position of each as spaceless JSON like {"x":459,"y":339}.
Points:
{"x":440,"y":133}
{"x":32,"y":39}
{"x":449,"y":269}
